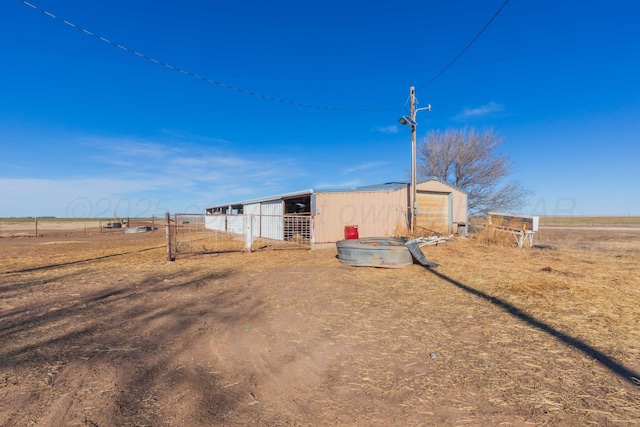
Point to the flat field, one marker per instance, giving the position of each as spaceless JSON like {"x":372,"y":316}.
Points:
{"x":98,"y":329}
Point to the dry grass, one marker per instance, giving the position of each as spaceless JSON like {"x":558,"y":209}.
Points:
{"x":531,"y":333}
{"x":496,"y":236}
{"x":608,"y":221}
{"x":496,"y":336}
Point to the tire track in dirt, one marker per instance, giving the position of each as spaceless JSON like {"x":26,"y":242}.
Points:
{"x":57,"y":413}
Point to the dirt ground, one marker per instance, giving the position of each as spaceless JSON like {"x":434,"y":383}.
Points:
{"x":100,"y":330}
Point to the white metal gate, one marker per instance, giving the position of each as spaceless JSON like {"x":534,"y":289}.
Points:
{"x":191,"y":234}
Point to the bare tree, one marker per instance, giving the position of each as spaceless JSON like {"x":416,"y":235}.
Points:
{"x":470,"y":161}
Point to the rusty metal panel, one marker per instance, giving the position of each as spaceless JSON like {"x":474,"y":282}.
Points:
{"x":377,"y":214}
{"x":434,"y":212}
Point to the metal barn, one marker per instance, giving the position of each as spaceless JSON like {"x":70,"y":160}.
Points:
{"x":377,"y":210}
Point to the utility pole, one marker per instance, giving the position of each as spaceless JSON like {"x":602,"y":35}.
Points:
{"x":414,"y":201}
{"x":411,"y":121}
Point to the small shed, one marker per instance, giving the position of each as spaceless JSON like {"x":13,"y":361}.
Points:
{"x":380,"y":210}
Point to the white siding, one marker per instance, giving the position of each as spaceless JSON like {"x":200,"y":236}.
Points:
{"x":254,"y":209}
{"x":235,"y":224}
{"x":215,"y":222}
{"x":272,"y":220}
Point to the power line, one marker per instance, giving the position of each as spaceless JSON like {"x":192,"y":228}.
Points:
{"x":466,"y":47}
{"x":197,"y":76}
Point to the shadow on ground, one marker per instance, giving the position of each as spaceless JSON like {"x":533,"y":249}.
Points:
{"x":615,"y":367}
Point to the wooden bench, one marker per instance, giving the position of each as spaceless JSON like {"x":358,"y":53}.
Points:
{"x":523,"y":228}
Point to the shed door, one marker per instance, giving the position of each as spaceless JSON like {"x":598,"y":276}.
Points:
{"x":434,"y":212}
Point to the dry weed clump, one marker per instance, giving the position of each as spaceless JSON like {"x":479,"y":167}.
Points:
{"x":400,"y":230}
{"x":494,"y":236}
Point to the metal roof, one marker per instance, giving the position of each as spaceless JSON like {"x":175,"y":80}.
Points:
{"x":388,"y":186}
{"x":265,"y":199}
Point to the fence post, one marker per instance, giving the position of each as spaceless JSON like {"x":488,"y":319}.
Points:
{"x":36,"y":226}
{"x":167,"y":221}
{"x":248,"y":245}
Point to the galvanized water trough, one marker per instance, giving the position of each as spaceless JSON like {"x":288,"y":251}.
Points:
{"x":386,"y":252}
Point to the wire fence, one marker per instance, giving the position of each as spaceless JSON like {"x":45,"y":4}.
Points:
{"x":191,"y":234}
{"x":57,"y":227}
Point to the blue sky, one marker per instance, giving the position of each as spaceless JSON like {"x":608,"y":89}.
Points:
{"x":88,"y":129}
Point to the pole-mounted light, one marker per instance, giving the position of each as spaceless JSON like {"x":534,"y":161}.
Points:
{"x":407,"y":121}
{"x":411,"y":122}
